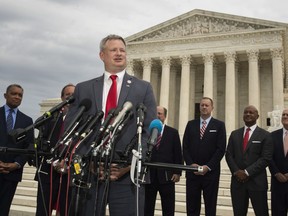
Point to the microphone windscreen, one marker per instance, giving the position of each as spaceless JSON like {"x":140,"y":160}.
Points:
{"x":86,"y":103}
{"x":127,"y":105}
{"x":156,"y":123}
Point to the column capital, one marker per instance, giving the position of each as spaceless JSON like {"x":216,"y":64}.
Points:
{"x":146,"y":62}
{"x":166,"y":60}
{"x":277,"y":53}
{"x":208,"y":57}
{"x":253,"y":54}
{"x":230,"y":56}
{"x":186,"y":59}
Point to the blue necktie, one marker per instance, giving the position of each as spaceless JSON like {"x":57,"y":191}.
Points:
{"x":10,"y":120}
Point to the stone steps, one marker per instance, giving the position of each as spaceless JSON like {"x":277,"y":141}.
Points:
{"x":24,"y":202}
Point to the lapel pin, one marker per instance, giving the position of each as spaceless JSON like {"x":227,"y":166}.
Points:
{"x":128,"y":83}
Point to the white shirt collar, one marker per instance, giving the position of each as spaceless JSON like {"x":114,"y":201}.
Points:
{"x":120,"y":75}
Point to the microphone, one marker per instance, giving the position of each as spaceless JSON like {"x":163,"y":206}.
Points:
{"x":91,"y":126}
{"x":84,"y":106}
{"x":101,"y":130}
{"x":128,"y":116}
{"x":127,"y":106}
{"x":155,"y":129}
{"x":21,"y":133}
{"x":83,"y":127}
{"x":56,"y":108}
{"x":140,"y":110}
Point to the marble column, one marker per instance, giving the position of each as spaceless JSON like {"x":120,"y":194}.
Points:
{"x":215,"y":90}
{"x":165,"y":82}
{"x":208,"y":74}
{"x":278,"y":83}
{"x":192,"y":92}
{"x":130,"y":67}
{"x":253,"y":79}
{"x":184,"y":93}
{"x":230,"y":91}
{"x":147,"y":64}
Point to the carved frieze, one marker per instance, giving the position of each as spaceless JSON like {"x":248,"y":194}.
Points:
{"x":200,"y":25}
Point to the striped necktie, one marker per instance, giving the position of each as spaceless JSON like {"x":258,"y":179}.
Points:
{"x":202,"y":129}
{"x":158,"y":141}
{"x":10,"y":120}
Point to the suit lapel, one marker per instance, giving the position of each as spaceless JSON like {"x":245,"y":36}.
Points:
{"x":211,"y":122}
{"x":125,"y":88}
{"x":2,"y":118}
{"x":98,"y":90}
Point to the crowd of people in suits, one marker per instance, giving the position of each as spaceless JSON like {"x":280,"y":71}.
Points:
{"x":250,"y":150}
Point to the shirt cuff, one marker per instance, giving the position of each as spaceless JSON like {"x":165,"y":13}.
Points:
{"x":246,"y":172}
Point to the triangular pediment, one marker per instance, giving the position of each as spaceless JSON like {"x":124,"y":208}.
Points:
{"x":202,"y":23}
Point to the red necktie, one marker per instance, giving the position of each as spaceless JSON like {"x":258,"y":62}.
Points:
{"x":246,"y":138}
{"x":111,"y":101}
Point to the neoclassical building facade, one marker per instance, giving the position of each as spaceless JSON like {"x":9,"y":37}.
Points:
{"x":235,"y":60}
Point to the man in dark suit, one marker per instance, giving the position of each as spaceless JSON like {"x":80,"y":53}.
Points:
{"x":204,"y":144}
{"x":11,"y":165}
{"x":249,"y":152}
{"x":167,"y":150}
{"x":54,"y":179}
{"x":122,"y":197}
{"x":279,"y":169}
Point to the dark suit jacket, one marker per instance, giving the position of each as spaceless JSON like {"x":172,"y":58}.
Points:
{"x":255,"y":159}
{"x":169,"y":151}
{"x":21,"y":121}
{"x":208,"y":151}
{"x":279,"y":162}
{"x":56,"y":123}
{"x":134,"y":90}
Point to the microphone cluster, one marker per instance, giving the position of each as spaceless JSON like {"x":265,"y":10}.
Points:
{"x":115,"y":121}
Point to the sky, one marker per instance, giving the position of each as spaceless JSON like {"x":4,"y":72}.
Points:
{"x":46,"y":44}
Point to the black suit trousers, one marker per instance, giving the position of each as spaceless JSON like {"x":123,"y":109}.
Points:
{"x":167,"y":194}
{"x":194,"y":187}
{"x":240,"y":200}
{"x":7,"y":191}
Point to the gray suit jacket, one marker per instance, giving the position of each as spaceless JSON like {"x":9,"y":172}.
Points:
{"x":255,"y":159}
{"x":134,"y":90}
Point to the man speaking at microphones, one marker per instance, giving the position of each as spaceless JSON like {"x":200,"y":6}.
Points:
{"x":111,"y":90}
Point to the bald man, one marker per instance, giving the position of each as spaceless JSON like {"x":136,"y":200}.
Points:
{"x":163,"y":181}
{"x":249,"y":152}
